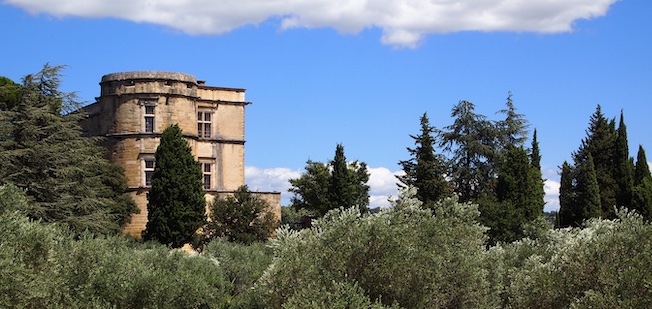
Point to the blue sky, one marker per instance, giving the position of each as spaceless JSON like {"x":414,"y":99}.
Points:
{"x":360,"y":73}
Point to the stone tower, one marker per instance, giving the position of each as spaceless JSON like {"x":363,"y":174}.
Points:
{"x":135,"y":107}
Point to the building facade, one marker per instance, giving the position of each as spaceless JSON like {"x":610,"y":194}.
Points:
{"x":134,"y":108}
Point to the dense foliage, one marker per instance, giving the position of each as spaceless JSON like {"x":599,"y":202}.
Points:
{"x":603,"y":176}
{"x":242,"y":217}
{"x":176,"y":204}
{"x":426,"y":170}
{"x":401,"y":257}
{"x":483,"y":162}
{"x":405,"y":256}
{"x":43,"y":151}
{"x":329,"y":186}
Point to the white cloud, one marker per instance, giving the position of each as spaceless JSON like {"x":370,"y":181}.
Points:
{"x":403,"y":22}
{"x":270,"y":179}
{"x":382,"y":182}
{"x":551,"y":198}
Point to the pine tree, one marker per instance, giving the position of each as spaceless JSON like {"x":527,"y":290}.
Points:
{"x":310,"y":191}
{"x":176,"y":206}
{"x":642,"y":190}
{"x":471,"y":140}
{"x":623,"y":169}
{"x":513,"y":130}
{"x":65,"y":173}
{"x":425,"y":170}
{"x":568,"y":213}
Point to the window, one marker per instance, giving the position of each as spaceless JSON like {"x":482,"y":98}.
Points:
{"x":149,"y":108}
{"x":207,"y":171}
{"x":149,"y":171}
{"x":149,"y":119}
{"x":204,"y":124}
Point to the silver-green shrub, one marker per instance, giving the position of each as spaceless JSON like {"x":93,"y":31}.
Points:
{"x":404,"y":256}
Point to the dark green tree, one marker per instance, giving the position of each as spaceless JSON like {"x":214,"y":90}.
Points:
{"x":515,"y":203}
{"x":242,"y":217}
{"x":310,"y":191}
{"x":65,"y":173}
{"x":623,"y":168}
{"x":328,"y":186}
{"x":513,"y":130}
{"x":568,"y":213}
{"x":471,"y":140}
{"x":176,"y":206}
{"x":587,"y":191}
{"x":9,"y":93}
{"x":537,"y":176}
{"x":600,"y":143}
{"x":426,"y":170}
{"x":642,"y":190}
{"x":642,"y":169}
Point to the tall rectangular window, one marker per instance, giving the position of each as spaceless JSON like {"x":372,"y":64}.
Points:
{"x":149,"y":119}
{"x":149,"y":171}
{"x":207,"y":170}
{"x":204,"y":122}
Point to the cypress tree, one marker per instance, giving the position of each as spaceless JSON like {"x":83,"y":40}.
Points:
{"x":568,"y":214}
{"x":514,"y":193}
{"x":176,"y":206}
{"x":537,"y":177}
{"x":587,"y":191}
{"x":321,"y":188}
{"x":642,"y":191}
{"x":347,"y":184}
{"x":600,"y":143}
{"x":623,"y":168}
{"x":425,"y":169}
{"x":65,"y":173}
{"x":642,"y":169}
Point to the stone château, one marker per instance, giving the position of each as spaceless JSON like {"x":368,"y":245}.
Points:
{"x":134,"y":108}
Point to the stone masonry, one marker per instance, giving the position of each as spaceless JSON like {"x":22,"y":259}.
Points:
{"x":135,"y":107}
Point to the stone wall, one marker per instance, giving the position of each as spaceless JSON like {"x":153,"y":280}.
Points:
{"x":135,"y":107}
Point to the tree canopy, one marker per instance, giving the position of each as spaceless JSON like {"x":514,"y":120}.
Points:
{"x":242,"y":217}
{"x":65,"y":173}
{"x":426,"y":170}
{"x":329,"y":186}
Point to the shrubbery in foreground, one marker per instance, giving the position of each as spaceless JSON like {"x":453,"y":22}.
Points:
{"x":403,"y":257}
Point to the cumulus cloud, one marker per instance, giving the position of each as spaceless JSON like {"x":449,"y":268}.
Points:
{"x":382,"y":182}
{"x":551,"y":198}
{"x":404,"y":22}
{"x":270,"y":179}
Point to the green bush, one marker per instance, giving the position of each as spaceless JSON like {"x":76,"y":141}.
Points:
{"x":404,"y":256}
{"x":242,"y":264}
{"x":29,"y":278}
{"x":607,"y":264}
{"x":121,"y":275}
{"x":44,"y":266}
